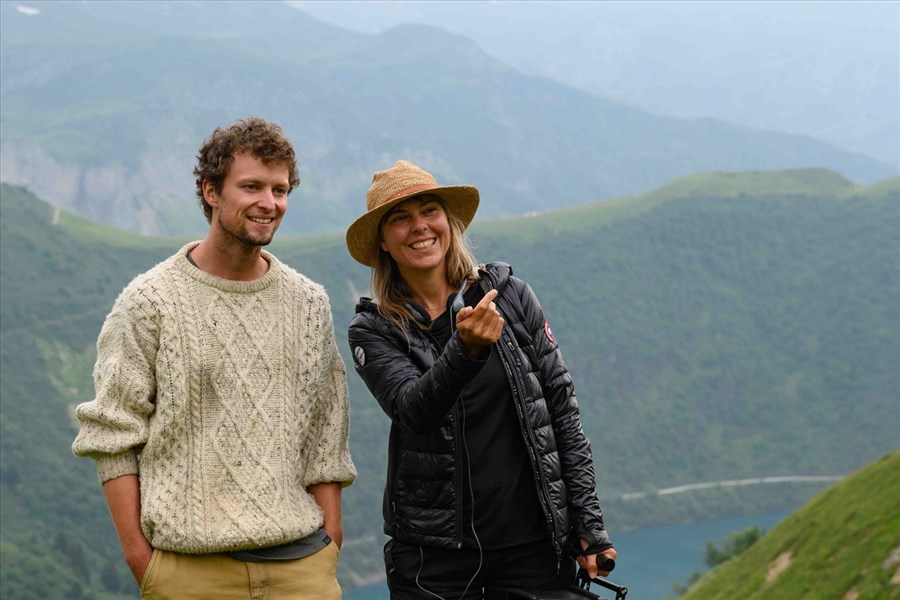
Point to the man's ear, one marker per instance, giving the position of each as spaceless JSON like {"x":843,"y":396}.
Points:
{"x":210,"y":194}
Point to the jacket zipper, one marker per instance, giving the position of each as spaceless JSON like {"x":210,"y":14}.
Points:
{"x":544,"y":493}
{"x":457,"y":431}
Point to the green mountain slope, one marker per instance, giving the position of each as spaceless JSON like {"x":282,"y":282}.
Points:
{"x":718,"y":320}
{"x":116,"y":118}
{"x":711,"y":337}
{"x":844,"y":543}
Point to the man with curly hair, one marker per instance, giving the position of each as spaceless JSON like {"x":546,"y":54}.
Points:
{"x":219,"y":426}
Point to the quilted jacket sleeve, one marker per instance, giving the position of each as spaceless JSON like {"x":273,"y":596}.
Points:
{"x":574,"y":449}
{"x":414,"y":394}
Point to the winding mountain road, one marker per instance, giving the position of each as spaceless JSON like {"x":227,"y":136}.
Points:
{"x":733,"y":483}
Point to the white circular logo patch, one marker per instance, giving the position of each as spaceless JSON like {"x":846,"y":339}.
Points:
{"x":359,"y":355}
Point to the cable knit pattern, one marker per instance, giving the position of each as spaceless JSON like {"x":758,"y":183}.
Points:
{"x":227,"y":397}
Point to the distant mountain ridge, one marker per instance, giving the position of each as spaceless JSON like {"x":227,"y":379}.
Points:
{"x":830,"y":70}
{"x":742,"y":335}
{"x":105,"y":104}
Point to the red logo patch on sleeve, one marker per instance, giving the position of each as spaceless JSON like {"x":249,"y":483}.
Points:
{"x":549,"y":333}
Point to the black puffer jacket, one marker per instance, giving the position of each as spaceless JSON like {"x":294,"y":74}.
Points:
{"x":417,"y":384}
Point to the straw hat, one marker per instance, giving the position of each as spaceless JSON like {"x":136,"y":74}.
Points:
{"x":391,"y":187}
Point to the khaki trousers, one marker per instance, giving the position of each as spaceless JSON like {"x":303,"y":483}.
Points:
{"x":174,"y":576}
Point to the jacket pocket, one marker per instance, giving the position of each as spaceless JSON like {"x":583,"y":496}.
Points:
{"x":388,"y":559}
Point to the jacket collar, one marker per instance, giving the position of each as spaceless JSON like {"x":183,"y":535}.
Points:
{"x":494,"y":276}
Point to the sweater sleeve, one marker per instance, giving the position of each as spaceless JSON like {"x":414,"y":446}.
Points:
{"x":327,"y":449}
{"x":114,"y":426}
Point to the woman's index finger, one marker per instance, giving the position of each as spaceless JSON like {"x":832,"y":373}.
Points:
{"x":486,"y":301}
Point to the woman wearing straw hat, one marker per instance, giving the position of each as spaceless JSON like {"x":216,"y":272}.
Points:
{"x":490,"y":481}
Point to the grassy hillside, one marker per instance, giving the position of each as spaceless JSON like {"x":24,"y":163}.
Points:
{"x":844,"y":543}
{"x":711,"y":336}
{"x":56,"y":289}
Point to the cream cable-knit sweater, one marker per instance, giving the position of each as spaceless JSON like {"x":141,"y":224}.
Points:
{"x":227,"y":397}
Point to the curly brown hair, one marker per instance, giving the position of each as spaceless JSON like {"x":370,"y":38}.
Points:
{"x":257,"y":136}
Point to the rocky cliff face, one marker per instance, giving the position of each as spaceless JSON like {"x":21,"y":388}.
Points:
{"x":151,"y":200}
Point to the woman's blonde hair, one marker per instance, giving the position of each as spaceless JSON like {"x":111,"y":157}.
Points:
{"x":390,"y":290}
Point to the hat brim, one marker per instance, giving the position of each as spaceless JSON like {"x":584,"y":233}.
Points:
{"x":362,"y":236}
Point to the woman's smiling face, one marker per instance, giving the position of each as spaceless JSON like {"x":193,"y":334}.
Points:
{"x":416,"y":234}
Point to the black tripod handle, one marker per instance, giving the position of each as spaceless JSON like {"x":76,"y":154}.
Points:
{"x":586,"y":581}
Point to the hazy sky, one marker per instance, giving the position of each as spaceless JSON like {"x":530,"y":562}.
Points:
{"x":827,"y":69}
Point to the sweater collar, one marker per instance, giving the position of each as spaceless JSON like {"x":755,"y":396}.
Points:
{"x":227,"y":285}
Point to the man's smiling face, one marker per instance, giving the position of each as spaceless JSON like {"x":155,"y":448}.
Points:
{"x":252,"y":202}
